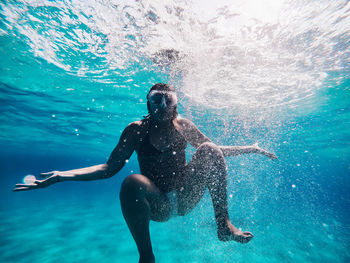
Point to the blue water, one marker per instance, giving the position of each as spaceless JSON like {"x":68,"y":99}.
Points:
{"x":74,"y":74}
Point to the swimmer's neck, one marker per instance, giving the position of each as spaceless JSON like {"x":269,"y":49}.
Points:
{"x":162,"y":124}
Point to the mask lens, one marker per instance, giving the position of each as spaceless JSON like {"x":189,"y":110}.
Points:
{"x":156,"y":97}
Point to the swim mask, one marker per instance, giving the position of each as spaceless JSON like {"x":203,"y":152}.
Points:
{"x":156,"y":97}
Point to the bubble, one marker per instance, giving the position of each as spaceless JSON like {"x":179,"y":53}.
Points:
{"x":29,"y":179}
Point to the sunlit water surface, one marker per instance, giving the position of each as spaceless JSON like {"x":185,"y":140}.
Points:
{"x":73,"y":74}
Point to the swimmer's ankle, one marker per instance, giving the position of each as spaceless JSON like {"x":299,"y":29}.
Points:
{"x":222,"y":220}
{"x":223,"y":223}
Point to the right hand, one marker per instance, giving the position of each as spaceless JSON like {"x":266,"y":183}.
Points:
{"x":51,"y":178}
{"x":264,"y":152}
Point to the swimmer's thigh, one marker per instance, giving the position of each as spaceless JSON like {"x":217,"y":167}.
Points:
{"x":137,"y":186}
{"x":193,"y":188}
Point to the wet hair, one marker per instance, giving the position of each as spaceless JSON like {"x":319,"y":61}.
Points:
{"x":162,"y":87}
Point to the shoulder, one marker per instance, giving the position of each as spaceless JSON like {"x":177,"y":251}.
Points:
{"x":136,"y":128}
{"x":137,"y":125}
{"x":133,"y":126}
{"x":185,"y":127}
{"x":185,"y":123}
{"x":190,"y":131}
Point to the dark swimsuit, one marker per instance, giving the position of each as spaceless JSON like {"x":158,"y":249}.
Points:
{"x":164,"y":168}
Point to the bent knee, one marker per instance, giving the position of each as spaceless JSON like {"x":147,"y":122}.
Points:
{"x":134,"y":179}
{"x":210,"y":148}
{"x":133,"y":184}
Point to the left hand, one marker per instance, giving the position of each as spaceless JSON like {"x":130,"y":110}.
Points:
{"x":264,"y":152}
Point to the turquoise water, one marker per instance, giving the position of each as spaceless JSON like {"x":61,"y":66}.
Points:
{"x":74,"y":74}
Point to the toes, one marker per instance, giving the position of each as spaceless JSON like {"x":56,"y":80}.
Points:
{"x":247,"y":233}
{"x":241,"y":237}
{"x":247,"y":236}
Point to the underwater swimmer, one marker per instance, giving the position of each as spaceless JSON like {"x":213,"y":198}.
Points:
{"x":160,"y":140}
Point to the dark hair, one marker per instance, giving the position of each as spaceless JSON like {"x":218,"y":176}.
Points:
{"x":164,"y":87}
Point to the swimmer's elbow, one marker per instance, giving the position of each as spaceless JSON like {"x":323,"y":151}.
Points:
{"x":110,"y":171}
{"x":107,"y":174}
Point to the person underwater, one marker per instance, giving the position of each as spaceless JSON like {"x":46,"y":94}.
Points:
{"x":160,"y":140}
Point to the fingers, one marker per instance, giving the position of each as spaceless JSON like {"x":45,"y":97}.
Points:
{"x":25,"y":187}
{"x":17,"y":189}
{"x":266,"y":153}
{"x":272,"y":156}
{"x":36,"y":184}
{"x":248,"y":234}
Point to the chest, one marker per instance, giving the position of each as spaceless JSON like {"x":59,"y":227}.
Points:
{"x":165,"y":139}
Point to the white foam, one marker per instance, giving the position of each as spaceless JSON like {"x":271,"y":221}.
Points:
{"x":236,"y":55}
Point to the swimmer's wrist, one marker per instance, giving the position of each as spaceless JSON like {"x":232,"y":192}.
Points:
{"x":58,"y":178}
{"x":254,"y":149}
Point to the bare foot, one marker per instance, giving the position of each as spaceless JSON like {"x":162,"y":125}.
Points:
{"x":230,"y":232}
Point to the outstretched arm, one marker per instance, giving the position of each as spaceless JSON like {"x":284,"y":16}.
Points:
{"x":195,"y":137}
{"x":115,"y":163}
{"x":191,"y":133}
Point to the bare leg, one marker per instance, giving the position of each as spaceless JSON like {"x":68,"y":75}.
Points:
{"x":141,"y":201}
{"x":208,"y":169}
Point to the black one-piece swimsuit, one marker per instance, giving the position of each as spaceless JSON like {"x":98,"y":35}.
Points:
{"x":166,"y":169}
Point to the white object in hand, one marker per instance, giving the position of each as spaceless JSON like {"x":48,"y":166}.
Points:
{"x":29,"y":179}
